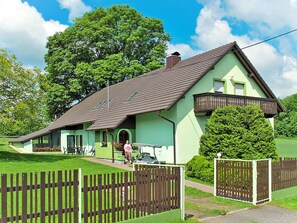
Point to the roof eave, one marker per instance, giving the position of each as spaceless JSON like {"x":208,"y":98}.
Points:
{"x":256,"y":76}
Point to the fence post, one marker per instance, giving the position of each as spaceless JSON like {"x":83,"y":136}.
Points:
{"x":182,"y":192}
{"x":215,"y":178}
{"x":254,"y":182}
{"x":79,"y":194}
{"x":270,"y":179}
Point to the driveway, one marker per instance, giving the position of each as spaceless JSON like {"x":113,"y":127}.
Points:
{"x":258,"y":214}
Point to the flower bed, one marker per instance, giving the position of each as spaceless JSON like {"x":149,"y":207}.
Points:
{"x":47,"y":149}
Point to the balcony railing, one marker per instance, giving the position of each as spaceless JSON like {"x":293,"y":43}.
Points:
{"x":205,"y":103}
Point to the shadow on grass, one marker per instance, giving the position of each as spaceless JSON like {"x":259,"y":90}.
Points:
{"x":6,"y":156}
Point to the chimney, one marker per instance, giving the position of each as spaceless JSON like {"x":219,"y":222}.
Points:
{"x":172,"y":60}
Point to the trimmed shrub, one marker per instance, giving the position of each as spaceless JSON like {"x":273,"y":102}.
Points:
{"x":200,"y":168}
{"x":238,"y":133}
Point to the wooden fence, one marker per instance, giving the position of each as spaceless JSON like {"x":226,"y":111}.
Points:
{"x":244,"y":180}
{"x":147,"y":190}
{"x":43,"y":197}
{"x":55,"y":196}
{"x":234,"y":179}
{"x":284,"y":174}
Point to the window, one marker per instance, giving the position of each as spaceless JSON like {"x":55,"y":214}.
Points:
{"x":104,"y":136}
{"x":219,"y":86}
{"x":239,"y":89}
{"x":79,"y":141}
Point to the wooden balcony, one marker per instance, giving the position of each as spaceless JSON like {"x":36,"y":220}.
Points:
{"x":205,"y":103}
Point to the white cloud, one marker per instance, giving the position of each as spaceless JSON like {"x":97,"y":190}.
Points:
{"x":277,"y":65}
{"x":24,"y":32}
{"x":184,"y":49}
{"x":76,"y":7}
{"x":274,"y":14}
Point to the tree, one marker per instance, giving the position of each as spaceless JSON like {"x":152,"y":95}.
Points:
{"x":285,"y":122}
{"x":112,"y":44}
{"x":238,"y":132}
{"x":22,"y":105}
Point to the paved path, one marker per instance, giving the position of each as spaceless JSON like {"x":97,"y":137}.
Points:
{"x":257,"y":214}
{"x":128,"y":167}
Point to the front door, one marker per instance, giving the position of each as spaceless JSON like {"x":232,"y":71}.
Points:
{"x":123,"y":137}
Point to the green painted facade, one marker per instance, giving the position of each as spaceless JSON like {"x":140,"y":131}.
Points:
{"x":105,"y":151}
{"x":150,"y":128}
{"x":88,"y":137}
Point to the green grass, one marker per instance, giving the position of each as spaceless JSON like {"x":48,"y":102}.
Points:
{"x":201,"y":204}
{"x":233,"y":203}
{"x":289,"y":203}
{"x":198,"y":181}
{"x":189,"y":191}
{"x":13,"y":162}
{"x":286,"y":147}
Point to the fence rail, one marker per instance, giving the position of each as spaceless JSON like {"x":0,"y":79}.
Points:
{"x":284,"y":174}
{"x":55,"y":196}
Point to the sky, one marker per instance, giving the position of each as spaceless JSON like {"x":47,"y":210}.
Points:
{"x":195,"y":26}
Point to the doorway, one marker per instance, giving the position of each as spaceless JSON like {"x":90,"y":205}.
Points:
{"x":70,"y":141}
{"x":123,"y":137}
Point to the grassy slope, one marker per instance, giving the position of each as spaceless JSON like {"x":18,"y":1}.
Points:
{"x":286,"y":147}
{"x":13,"y":162}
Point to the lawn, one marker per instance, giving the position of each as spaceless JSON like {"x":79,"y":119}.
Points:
{"x":286,"y":147}
{"x":200,"y":205}
{"x":13,"y":162}
{"x":289,"y":203}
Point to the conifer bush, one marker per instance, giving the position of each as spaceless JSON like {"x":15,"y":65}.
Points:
{"x":238,"y":133}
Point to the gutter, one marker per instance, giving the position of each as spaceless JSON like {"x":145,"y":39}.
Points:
{"x":173,"y":134}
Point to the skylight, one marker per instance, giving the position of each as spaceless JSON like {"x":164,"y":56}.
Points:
{"x":101,"y":105}
{"x":131,"y":96}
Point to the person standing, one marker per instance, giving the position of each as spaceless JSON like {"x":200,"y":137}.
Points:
{"x":128,"y":151}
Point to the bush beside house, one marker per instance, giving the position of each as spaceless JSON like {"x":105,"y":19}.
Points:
{"x":200,"y":168}
{"x":237,"y":133}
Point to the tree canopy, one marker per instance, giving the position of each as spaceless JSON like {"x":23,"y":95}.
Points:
{"x":238,"y":132}
{"x":285,"y":124}
{"x":112,"y":44}
{"x":22,"y":103}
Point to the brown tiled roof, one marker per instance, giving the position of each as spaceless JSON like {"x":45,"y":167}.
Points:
{"x":157,"y":90}
{"x":32,"y":135}
{"x":154,"y":91}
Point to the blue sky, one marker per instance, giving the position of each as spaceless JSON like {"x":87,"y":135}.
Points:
{"x":194,"y":26}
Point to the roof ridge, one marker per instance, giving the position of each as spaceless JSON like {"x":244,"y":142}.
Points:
{"x":208,"y":51}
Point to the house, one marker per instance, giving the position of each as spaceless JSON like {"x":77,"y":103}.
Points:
{"x":168,"y":106}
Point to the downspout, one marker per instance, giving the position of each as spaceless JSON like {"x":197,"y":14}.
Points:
{"x":112,"y":144}
{"x":173,"y":135}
